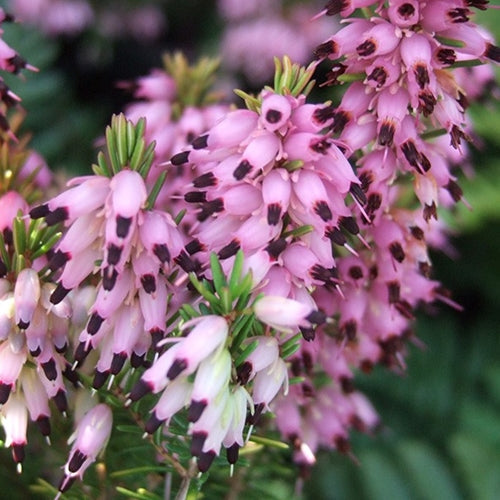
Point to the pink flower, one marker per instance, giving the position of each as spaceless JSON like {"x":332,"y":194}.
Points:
{"x":90,"y":437}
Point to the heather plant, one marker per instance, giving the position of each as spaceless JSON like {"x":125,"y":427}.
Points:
{"x":200,"y":314}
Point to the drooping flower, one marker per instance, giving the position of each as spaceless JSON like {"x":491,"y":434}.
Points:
{"x":89,"y":439}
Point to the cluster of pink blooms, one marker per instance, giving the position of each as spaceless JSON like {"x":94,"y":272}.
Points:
{"x":272,"y":29}
{"x":308,"y":201}
{"x":172,"y":125}
{"x":71,"y":17}
{"x":11,"y":62}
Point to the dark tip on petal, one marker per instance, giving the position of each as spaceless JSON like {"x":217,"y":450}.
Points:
{"x":417,"y":233}
{"x":196,"y":408}
{"x":243,"y":372}
{"x":379,"y":75}
{"x":386,"y":134}
{"x":478,"y":4}
{"x":229,"y":250}
{"x":373,"y":203}
{"x":60,"y":214}
{"x":258,"y":409}
{"x":148,"y":282}
{"x":71,"y":375}
{"x":23,"y":324}
{"x":123,"y":226}
{"x":242,"y":170}
{"x":406,"y":10}
{"x":76,"y":461}
{"x":232,"y":453}
{"x":3,"y":269}
{"x":39,"y":211}
{"x":180,"y":158}
{"x":342,"y":444}
{"x":137,"y":360}
{"x":178,"y":366}
{"x":49,"y":368}
{"x":209,"y":208}
{"x":4,"y":392}
{"x":186,"y":263}
{"x":324,"y":113}
{"x":162,"y":252}
{"x":446,"y":57}
{"x":205,"y":180}
{"x":81,"y":352}
{"x":66,"y":483}
{"x":327,"y":275}
{"x":36,"y":352}
{"x":336,"y":236}
{"x":152,"y":424}
{"x":194,"y":246}
{"x":308,"y":334}
{"x":60,"y":401}
{"x":117,"y":362}
{"x":357,"y":193}
{"x":324,"y":49}
{"x":367,"y":48}
{"x":347,"y":385}
{"x":197,"y":442}
{"x":421,"y":75}
{"x":114,"y":254}
{"x":322,"y":209}
{"x":349,"y":329}
{"x":334,"y":7}
{"x":430,"y":211}
{"x":109,"y":276}
{"x":427,"y":102}
{"x":274,"y":248}
{"x":273,"y":116}
{"x":404,"y":308}
{"x":58,"y":294}
{"x":139,"y":390}
{"x":332,"y":76}
{"x":100,"y":378}
{"x":200,"y":142}
{"x":355,"y":272}
{"x":397,"y":251}
{"x":340,"y":120}
{"x":393,"y":291}
{"x":459,"y":15}
{"x":205,"y":460}
{"x":18,"y":453}
{"x":425,"y":269}
{"x":349,"y":224}
{"x":455,"y":190}
{"x":94,"y":323}
{"x":43,"y":423}
{"x":273,"y":214}
{"x":58,"y":260}
{"x":195,"y":197}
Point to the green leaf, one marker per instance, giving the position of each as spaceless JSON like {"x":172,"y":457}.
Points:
{"x":246,"y":352}
{"x":217,"y":273}
{"x":380,"y":479}
{"x":427,"y":472}
{"x":140,"y":494}
{"x":479,"y":465}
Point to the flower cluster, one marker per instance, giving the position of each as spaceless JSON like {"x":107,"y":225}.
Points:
{"x":71,"y":17}
{"x":11,"y":62}
{"x":258,"y":22}
{"x":220,"y":263}
{"x":178,"y":105}
{"x":220,"y":366}
{"x":109,"y":220}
